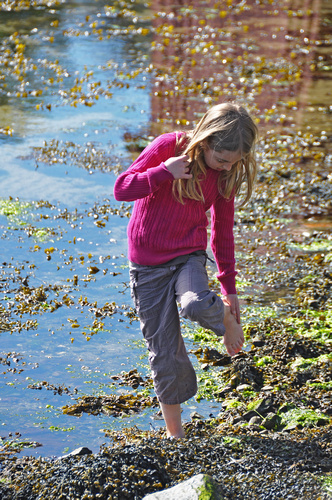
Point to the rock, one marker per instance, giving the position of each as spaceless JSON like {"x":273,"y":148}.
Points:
{"x":196,"y":416}
{"x":314,"y":304}
{"x":244,"y":387}
{"x":234,"y":380}
{"x":323,"y":421}
{"x":236,"y":420}
{"x":200,"y":486}
{"x":77,"y":453}
{"x":248,"y":415}
{"x":270,"y":421}
{"x":262,"y":405}
{"x":257,"y":342}
{"x":267,"y":388}
{"x":256,"y":420}
{"x":157,"y":416}
{"x":225,"y":390}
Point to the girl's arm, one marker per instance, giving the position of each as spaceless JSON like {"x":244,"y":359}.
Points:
{"x":148,"y":172}
{"x":222,"y":243}
{"x":232,"y":301}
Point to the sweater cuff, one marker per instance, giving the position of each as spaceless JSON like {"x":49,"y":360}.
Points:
{"x":227,"y":286}
{"x":158,"y":175}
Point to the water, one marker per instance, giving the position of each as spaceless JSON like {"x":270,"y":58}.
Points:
{"x":46,"y":353}
{"x":79,"y":53}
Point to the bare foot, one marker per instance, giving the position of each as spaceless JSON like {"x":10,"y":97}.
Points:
{"x":233,"y":337}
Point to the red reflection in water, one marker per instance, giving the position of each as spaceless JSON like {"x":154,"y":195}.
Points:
{"x":259,"y":53}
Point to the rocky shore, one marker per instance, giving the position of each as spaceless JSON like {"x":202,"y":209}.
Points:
{"x":272,"y":439}
{"x":249,"y":463}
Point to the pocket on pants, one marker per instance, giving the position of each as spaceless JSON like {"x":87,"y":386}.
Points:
{"x":143,"y":291}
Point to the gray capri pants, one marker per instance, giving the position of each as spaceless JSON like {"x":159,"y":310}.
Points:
{"x":156,"y":291}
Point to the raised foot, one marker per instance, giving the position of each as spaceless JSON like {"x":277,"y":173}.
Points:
{"x":233,"y":337}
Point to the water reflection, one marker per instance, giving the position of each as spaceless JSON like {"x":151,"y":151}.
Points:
{"x":265,"y":56}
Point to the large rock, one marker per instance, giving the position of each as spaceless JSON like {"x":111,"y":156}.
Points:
{"x":200,"y":487}
{"x":79,"y":452}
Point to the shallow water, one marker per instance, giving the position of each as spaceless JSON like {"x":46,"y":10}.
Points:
{"x":68,"y":225}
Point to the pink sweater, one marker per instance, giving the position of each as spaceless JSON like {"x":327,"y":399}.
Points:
{"x":161,"y":228}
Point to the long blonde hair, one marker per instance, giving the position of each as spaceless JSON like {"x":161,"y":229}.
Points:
{"x":226,"y":126}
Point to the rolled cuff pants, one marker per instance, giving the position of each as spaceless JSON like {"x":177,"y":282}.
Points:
{"x":156,"y":291}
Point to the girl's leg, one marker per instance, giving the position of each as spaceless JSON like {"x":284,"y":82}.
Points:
{"x":173,"y":375}
{"x":199,"y":303}
{"x":172,"y":417}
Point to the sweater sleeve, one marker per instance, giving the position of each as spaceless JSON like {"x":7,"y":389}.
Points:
{"x":148,"y":172}
{"x":222,"y":243}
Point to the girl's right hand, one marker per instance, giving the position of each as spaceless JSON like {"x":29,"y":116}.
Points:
{"x":178,"y":166}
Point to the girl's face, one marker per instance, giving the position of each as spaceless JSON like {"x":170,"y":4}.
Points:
{"x":221,"y":160}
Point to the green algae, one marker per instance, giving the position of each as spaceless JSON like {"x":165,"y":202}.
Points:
{"x":300,"y":417}
{"x":14,"y":210}
{"x":247,"y":394}
{"x":306,"y":279}
{"x":324,"y":386}
{"x":201,"y":335}
{"x":232,"y":403}
{"x":57,"y":428}
{"x":14,"y":444}
{"x":209,"y":490}
{"x":314,"y":246}
{"x":265,"y":360}
{"x":327,"y":483}
{"x":208,"y":385}
{"x":23,"y":216}
{"x":254,"y":404}
{"x":306,"y":363}
{"x":312,"y":324}
{"x":233,"y":442}
{"x":253,"y":313}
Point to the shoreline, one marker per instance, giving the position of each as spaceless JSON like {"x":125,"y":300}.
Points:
{"x":245,"y":465}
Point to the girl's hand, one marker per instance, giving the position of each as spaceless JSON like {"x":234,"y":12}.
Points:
{"x":178,"y":166}
{"x":232,"y":301}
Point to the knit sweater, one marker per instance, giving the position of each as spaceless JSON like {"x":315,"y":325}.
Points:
{"x":161,"y":228}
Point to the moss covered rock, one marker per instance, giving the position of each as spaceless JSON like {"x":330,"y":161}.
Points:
{"x":200,"y":487}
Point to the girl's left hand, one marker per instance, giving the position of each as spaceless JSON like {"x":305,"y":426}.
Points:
{"x":232,"y":301}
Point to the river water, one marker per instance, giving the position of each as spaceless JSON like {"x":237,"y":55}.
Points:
{"x":83,"y":86}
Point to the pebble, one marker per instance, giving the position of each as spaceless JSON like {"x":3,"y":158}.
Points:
{"x":195,"y":415}
{"x":244,"y":387}
{"x":256,"y":420}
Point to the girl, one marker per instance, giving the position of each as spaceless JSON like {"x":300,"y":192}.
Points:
{"x":174,"y":182}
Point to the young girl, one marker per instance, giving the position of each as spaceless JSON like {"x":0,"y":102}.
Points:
{"x":174,"y":182}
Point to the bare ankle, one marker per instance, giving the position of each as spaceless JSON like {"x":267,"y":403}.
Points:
{"x":172,"y":417}
{"x":175,"y":436}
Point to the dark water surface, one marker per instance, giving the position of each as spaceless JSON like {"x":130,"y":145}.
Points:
{"x":83,"y":86}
